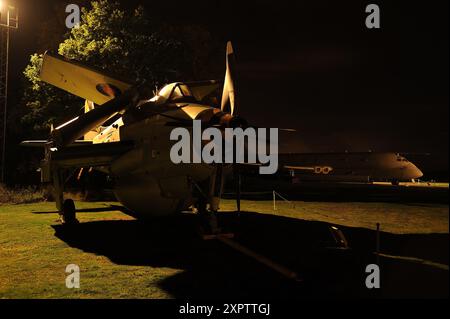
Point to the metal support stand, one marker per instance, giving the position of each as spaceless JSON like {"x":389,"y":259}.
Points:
{"x":4,"y":66}
{"x":58,"y":189}
{"x":216,"y":188}
{"x":9,"y":19}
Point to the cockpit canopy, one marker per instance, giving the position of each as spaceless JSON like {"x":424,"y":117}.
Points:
{"x":207,"y":93}
{"x":401,"y":158}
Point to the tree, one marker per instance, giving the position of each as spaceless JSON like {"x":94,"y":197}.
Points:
{"x":127,"y":43}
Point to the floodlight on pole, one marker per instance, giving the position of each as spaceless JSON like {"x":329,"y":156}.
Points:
{"x":9,"y":19}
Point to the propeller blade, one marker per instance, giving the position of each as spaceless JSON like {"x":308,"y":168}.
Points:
{"x":289,"y":130}
{"x":228,"y":95}
{"x":178,"y":124}
{"x":178,"y":120}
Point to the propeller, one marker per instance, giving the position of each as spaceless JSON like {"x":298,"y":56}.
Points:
{"x":228,"y":95}
{"x":229,"y":99}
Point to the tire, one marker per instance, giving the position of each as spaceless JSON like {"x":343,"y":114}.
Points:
{"x":69,"y":212}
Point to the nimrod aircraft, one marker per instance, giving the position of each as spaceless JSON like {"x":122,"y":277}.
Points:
{"x":135,"y":150}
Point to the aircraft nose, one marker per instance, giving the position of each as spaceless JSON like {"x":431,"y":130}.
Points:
{"x":415,"y":172}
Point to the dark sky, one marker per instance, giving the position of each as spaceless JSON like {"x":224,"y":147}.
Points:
{"x":314,"y":66}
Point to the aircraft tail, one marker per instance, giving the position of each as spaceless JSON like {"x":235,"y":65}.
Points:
{"x":89,"y":136}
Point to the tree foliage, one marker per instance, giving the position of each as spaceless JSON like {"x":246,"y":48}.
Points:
{"x":126,"y":43}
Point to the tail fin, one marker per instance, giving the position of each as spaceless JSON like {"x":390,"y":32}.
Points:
{"x":89,"y":106}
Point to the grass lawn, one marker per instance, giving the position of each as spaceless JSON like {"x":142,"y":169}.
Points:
{"x":33,"y":259}
{"x":394,"y":218}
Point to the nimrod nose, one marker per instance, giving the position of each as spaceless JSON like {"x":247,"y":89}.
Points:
{"x":415,"y":171}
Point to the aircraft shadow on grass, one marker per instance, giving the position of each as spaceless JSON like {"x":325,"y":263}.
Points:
{"x":212,"y":270}
{"x":106,"y":209}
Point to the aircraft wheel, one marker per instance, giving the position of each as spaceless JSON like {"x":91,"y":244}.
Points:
{"x":69,"y":213}
{"x":204,"y":216}
{"x":395,"y":182}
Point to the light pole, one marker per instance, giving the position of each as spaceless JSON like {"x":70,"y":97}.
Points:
{"x":9,"y":19}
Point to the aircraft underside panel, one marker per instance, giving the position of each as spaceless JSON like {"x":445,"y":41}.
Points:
{"x":148,"y":197}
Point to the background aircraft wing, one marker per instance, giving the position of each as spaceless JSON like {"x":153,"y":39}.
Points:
{"x":80,"y":80}
{"x":43,"y":143}
{"x":299,"y":168}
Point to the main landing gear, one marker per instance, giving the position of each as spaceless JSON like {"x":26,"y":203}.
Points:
{"x":66,"y":208}
{"x":209,"y":194}
{"x":68,"y":213}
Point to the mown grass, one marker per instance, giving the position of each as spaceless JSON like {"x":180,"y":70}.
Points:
{"x":33,"y":259}
{"x":396,"y":218}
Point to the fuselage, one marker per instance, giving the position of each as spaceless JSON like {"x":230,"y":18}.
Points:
{"x":354,"y":167}
{"x":147,"y":182}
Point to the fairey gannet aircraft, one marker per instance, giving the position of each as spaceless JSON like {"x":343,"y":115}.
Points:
{"x":135,"y":149}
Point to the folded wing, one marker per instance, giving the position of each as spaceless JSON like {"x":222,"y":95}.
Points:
{"x":81,"y":80}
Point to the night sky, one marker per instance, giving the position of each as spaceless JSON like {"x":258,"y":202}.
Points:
{"x":315,"y":67}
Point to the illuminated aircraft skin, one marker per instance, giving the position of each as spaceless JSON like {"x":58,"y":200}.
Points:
{"x":135,"y":149}
{"x":351,"y":167}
